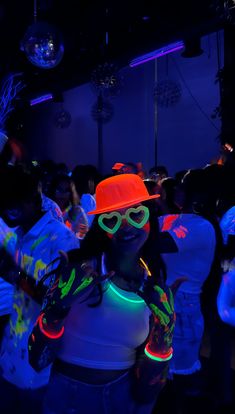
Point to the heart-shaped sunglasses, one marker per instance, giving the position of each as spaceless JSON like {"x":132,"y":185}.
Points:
{"x":136,"y":217}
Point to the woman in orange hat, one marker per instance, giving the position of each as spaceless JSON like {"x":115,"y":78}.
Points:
{"x":110,"y":334}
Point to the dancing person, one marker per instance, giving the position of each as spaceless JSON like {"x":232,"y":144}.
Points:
{"x":34,"y":241}
{"x":109,"y":334}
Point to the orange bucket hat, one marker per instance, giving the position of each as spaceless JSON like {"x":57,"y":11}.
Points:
{"x":120,"y":191}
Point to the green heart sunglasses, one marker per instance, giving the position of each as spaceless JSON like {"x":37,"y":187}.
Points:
{"x":136,"y":217}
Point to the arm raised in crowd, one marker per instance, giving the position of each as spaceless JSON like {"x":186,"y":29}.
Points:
{"x":151,"y":368}
{"x":73,"y":281}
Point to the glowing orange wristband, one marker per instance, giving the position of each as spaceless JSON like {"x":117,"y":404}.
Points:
{"x":158,"y":357}
{"x":49,"y":334}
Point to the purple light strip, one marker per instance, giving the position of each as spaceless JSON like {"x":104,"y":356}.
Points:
{"x":165,"y":50}
{"x":41,"y":99}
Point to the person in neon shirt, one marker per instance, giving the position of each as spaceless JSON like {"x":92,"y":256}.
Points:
{"x":34,"y":241}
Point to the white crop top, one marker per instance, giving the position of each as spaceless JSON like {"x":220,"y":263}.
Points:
{"x":107,"y":335}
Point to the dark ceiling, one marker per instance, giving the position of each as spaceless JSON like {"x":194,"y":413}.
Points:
{"x":134,"y":28}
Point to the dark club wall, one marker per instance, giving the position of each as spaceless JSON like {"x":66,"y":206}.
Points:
{"x":147,"y":125}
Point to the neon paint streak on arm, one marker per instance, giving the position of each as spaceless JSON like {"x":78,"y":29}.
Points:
{"x":52,"y":289}
{"x":171,"y":329}
{"x":163,"y":299}
{"x":171,"y":300}
{"x":66,"y":286}
{"x":163,"y":318}
{"x":86,"y":282}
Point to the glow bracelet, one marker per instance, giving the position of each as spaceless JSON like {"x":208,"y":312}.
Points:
{"x":158,"y":357}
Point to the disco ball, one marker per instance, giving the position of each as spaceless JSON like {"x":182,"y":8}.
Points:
{"x":167,"y":93}
{"x":62,"y":119}
{"x":102,"y":111}
{"x":43,"y":45}
{"x":225,"y":10}
{"x":106,"y":80}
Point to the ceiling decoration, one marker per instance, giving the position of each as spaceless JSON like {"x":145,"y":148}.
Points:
{"x":106,"y":80}
{"x":43,"y":45}
{"x":70,"y":55}
{"x":167,"y":93}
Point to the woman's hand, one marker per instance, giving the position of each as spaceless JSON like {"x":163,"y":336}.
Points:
{"x":150,"y":370}
{"x":73,"y":281}
{"x":160,"y":299}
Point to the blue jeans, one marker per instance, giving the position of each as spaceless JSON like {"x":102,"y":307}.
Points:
{"x":69,"y":396}
{"x":188,"y":334}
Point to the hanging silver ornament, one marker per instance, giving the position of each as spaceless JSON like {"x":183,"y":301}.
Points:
{"x":62,"y":119}
{"x":167,"y":93}
{"x":106,"y":80}
{"x":43,"y":45}
{"x":225,"y":10}
{"x":102,"y":111}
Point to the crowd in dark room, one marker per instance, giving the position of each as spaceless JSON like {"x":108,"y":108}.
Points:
{"x":117,"y":244}
{"x":44,"y":214}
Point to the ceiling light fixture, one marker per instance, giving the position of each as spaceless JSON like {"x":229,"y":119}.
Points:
{"x":40,"y":99}
{"x":165,"y":50}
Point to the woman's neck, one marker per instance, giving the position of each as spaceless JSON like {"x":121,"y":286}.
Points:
{"x":128,"y":271}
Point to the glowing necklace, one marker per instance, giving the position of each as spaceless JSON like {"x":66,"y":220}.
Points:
{"x":124,"y":297}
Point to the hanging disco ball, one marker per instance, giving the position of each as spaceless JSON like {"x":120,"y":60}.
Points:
{"x":43,"y":45}
{"x":106,"y":80}
{"x":102,"y":111}
{"x":167,"y":93}
{"x":225,"y":10}
{"x":62,"y":119}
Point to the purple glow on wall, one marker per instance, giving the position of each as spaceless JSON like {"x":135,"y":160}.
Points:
{"x":165,"y":50}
